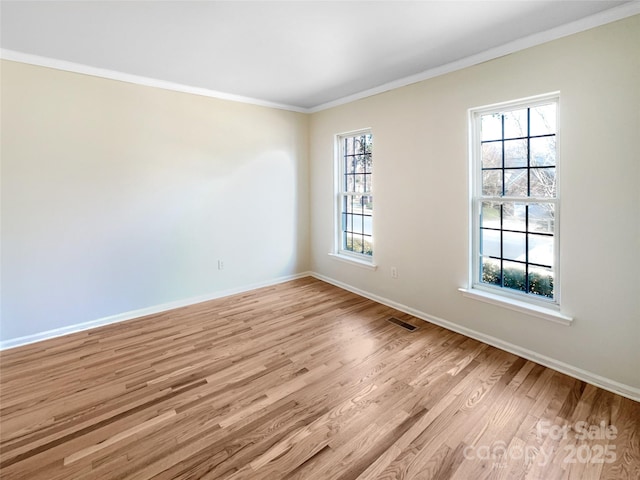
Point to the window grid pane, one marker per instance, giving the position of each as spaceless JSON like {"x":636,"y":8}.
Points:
{"x":517,"y":255}
{"x":516,"y":238}
{"x":356,"y":211}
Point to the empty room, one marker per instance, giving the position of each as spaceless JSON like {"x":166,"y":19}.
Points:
{"x":320,"y":240}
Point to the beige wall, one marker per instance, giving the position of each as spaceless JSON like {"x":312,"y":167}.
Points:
{"x":118,"y":197}
{"x":421,"y":195}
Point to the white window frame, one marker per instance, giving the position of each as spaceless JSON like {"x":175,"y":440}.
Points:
{"x":340,"y":193}
{"x":521,"y":301}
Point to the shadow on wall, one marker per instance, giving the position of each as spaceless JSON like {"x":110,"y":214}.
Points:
{"x":157,"y":243}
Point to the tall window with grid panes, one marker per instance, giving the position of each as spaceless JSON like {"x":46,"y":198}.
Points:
{"x":515,"y":199}
{"x":355,"y":195}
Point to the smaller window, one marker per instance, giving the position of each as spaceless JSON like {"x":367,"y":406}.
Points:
{"x":354,"y":195}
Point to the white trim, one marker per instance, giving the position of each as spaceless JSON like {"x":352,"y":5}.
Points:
{"x":526,"y":102}
{"x":594,"y":379}
{"x":121,"y":317}
{"x":139,"y":80}
{"x":602,"y":18}
{"x":519,"y":301}
{"x":605,"y":383}
{"x":354,"y":261}
{"x":339,"y":193}
{"x":517,"y":305}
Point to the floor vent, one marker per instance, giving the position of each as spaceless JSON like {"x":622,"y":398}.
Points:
{"x":405,"y":325}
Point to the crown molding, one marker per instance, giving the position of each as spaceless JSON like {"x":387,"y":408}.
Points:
{"x":592,"y":21}
{"x":617,"y":13}
{"x":138,"y":80}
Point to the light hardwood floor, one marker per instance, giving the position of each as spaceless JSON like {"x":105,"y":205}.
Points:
{"x":301,"y":380}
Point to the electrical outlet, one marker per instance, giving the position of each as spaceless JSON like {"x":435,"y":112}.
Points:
{"x":394,"y":272}
{"x":220,"y":265}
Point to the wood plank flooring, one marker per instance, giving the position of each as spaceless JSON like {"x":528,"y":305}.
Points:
{"x":301,"y":380}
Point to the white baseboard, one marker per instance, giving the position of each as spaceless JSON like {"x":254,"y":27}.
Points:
{"x":627,"y":391}
{"x":120,"y":317}
{"x":607,"y":384}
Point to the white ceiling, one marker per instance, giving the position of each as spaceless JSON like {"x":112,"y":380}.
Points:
{"x":303,"y":54}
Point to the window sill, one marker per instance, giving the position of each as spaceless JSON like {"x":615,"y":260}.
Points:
{"x":354,"y":261}
{"x":518,"y":306}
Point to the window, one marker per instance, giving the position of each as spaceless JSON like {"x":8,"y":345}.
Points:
{"x":354,"y":199}
{"x":515,"y":200}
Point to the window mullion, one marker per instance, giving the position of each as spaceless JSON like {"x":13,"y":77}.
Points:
{"x":517,"y":231}
{"x":355,"y":196}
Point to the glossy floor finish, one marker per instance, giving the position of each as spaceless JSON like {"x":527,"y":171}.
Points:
{"x":301,"y":380}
